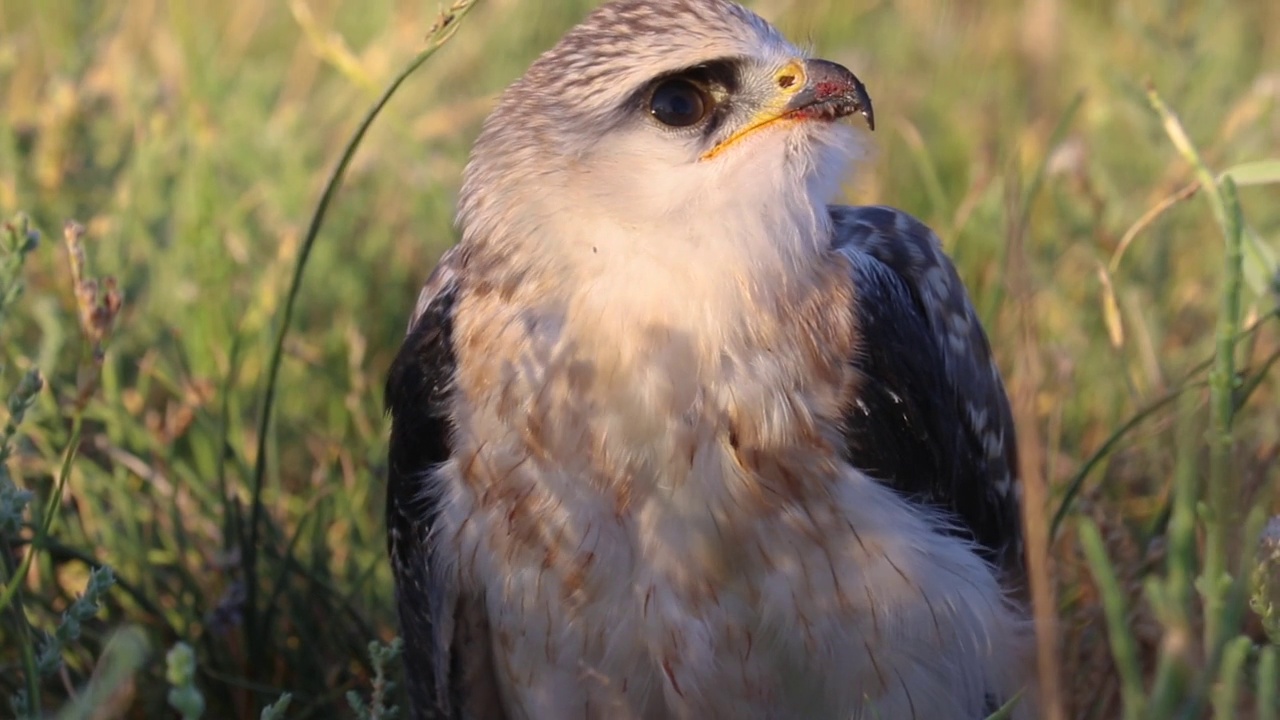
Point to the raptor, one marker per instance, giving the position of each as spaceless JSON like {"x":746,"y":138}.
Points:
{"x":674,"y":436}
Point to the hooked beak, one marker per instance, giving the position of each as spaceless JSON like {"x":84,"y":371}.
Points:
{"x":808,"y":90}
{"x":830,"y":91}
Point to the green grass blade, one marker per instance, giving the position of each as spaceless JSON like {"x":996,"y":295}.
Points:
{"x":1269,"y":683}
{"x":1226,"y":695}
{"x":1256,"y":172}
{"x":444,"y":30}
{"x":1123,"y":647}
{"x":1076,"y":483}
{"x":1005,"y":711}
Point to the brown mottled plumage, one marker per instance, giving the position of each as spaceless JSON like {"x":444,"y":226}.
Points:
{"x":672,"y":438}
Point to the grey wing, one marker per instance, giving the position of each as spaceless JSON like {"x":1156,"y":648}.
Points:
{"x":447,"y":652}
{"x":931,"y":417}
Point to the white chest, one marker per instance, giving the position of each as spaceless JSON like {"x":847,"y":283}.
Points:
{"x":664,"y":532}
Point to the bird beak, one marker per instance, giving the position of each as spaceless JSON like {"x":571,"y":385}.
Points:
{"x":808,"y":90}
{"x":829,"y":91}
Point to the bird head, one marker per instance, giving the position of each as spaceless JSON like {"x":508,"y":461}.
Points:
{"x":670,"y":117}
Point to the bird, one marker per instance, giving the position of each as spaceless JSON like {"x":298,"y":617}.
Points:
{"x":676,"y":435}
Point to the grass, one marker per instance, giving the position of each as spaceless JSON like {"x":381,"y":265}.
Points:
{"x":1131,"y":309}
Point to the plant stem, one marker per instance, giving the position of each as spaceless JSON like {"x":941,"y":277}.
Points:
{"x":1223,"y":491}
{"x":444,"y":29}
{"x":1123,"y":647}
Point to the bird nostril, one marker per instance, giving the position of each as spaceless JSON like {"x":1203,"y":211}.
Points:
{"x":786,"y":81}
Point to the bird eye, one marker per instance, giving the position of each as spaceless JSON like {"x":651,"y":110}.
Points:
{"x":679,"y":103}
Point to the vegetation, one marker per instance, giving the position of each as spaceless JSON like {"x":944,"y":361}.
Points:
{"x":1104,"y":174}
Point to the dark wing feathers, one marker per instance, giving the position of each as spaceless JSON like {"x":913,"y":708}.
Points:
{"x":931,"y":418}
{"x":433,"y":616}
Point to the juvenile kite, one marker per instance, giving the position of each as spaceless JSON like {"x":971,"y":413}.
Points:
{"x":675,"y":438}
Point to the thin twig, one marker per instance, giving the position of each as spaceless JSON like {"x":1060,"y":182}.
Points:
{"x":1147,"y":218}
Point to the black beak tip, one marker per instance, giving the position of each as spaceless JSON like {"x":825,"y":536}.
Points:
{"x":863,"y":102}
{"x":835,"y":85}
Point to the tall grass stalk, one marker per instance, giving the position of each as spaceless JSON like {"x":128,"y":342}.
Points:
{"x":1123,"y":647}
{"x":1223,"y":487}
{"x":1172,"y":596}
{"x":1183,"y":684}
{"x":444,"y":29}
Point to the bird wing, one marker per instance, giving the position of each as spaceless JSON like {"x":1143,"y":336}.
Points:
{"x":447,"y":652}
{"x":930,"y":417}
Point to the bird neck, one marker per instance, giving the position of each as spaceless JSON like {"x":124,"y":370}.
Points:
{"x":703,"y":269}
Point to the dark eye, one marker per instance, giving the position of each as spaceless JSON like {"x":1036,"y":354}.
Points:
{"x":679,"y":103}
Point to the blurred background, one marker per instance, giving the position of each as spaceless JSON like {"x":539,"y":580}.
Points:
{"x":192,"y":140}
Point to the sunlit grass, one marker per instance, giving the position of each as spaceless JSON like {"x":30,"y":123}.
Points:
{"x":194,"y":140}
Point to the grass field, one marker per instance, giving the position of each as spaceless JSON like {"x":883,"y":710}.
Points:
{"x":192,"y":141}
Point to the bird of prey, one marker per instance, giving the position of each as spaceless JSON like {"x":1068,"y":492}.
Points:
{"x":674,"y":437}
